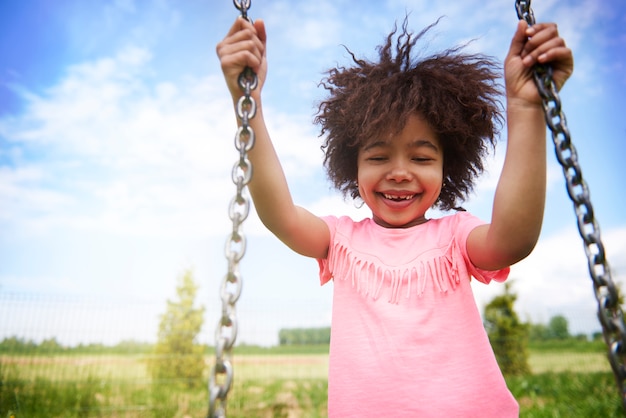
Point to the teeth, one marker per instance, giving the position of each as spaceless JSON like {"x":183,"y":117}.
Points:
{"x":392,"y":197}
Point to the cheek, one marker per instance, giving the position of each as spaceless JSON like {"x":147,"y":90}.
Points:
{"x":436,"y":178}
{"x":364,"y":178}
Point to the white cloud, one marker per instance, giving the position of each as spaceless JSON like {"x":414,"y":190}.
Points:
{"x":296,"y":143}
{"x":118,"y":148}
{"x":124,"y":152}
{"x":18,"y":195}
{"x":308,"y":26}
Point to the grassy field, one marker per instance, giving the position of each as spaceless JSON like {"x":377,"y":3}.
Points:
{"x":291,"y":384}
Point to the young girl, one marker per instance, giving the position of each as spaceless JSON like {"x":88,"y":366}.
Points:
{"x":404,"y":135}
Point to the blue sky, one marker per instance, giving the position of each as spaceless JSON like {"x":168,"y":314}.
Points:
{"x":116,"y":146}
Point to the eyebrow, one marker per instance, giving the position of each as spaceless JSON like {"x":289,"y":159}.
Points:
{"x":418,"y":143}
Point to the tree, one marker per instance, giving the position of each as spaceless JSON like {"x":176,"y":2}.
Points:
{"x":558,"y":328}
{"x":508,"y":336}
{"x":304,"y":336}
{"x":50,"y":345}
{"x":538,"y":332}
{"x":178,"y":354}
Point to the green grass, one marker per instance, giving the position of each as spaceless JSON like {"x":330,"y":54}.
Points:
{"x":567,"y":346}
{"x":278,"y":382}
{"x":567,"y":394}
{"x":282,"y":349}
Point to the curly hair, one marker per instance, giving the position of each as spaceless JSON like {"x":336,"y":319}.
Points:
{"x":458,"y":94}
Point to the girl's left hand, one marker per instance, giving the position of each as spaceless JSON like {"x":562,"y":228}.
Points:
{"x":537,"y":44}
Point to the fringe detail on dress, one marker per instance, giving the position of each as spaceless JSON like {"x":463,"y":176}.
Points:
{"x":372,"y":278}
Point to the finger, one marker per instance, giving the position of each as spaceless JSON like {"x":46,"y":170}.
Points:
{"x":537,"y":27}
{"x":239,"y":24}
{"x":561,"y":54}
{"x":246,"y":53}
{"x":243,"y":39}
{"x":240,"y":31}
{"x":519,"y":39}
{"x":544,"y":51}
{"x":259,"y":25}
{"x":538,"y":35}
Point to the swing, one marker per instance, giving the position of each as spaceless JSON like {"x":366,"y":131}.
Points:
{"x":610,"y":313}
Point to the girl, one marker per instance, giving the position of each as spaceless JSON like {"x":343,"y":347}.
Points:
{"x":404,"y":135}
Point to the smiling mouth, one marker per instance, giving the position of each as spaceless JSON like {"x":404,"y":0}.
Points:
{"x":398,"y":198}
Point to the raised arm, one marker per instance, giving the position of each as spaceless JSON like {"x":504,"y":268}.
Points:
{"x":305,"y":233}
{"x":520,"y":195}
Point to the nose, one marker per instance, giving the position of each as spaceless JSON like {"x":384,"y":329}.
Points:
{"x":398,"y":172}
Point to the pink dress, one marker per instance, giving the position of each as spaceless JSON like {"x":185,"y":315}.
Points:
{"x":407,"y":339}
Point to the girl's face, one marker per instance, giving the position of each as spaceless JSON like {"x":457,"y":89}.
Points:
{"x":400,"y":177}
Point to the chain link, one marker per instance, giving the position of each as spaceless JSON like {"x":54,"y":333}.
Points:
{"x":222,"y":373}
{"x":609,"y":311}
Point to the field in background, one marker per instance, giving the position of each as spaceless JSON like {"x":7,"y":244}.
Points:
{"x":570,"y":382}
{"x":122,"y":367}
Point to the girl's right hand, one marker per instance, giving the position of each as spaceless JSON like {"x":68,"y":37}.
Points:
{"x":243,"y":46}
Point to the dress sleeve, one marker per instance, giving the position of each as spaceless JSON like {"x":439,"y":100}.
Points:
{"x":324,"y":265}
{"x":466,"y":223}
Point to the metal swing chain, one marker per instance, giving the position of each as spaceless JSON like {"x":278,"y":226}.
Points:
{"x":221,"y":377}
{"x":609,"y":311}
